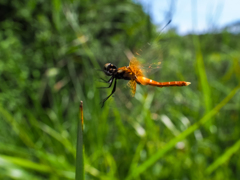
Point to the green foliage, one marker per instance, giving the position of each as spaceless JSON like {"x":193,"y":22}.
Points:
{"x":50,"y":53}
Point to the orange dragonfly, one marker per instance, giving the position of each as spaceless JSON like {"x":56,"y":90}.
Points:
{"x":134,"y":73}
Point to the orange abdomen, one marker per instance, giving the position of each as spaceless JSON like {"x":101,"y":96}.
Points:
{"x":145,"y":81}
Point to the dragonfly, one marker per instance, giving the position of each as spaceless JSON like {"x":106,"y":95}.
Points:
{"x":134,"y":73}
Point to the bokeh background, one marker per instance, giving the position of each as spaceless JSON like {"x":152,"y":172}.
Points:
{"x":50,"y":56}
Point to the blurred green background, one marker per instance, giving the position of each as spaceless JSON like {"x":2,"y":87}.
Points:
{"x":50,"y":56}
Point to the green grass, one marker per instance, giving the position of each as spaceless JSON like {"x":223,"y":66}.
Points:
{"x":49,"y":61}
{"x":80,"y":173}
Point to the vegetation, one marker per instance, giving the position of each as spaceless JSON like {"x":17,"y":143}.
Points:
{"x":50,"y":54}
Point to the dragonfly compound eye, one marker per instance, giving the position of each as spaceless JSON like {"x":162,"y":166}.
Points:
{"x":106,"y":66}
{"x":109,"y":69}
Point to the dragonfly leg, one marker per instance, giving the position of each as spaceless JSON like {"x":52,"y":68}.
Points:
{"x":107,"y":81}
{"x":110,"y":81}
{"x":113,"y":90}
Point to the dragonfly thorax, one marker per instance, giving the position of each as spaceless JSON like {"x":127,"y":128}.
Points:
{"x":109,"y":69}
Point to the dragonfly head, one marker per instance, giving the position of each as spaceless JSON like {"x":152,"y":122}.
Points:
{"x":109,"y":69}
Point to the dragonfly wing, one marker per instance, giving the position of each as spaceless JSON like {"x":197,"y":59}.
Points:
{"x":132,"y":84}
{"x":136,"y":67}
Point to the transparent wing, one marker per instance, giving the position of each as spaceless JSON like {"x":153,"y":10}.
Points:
{"x":136,"y":67}
{"x":140,"y":69}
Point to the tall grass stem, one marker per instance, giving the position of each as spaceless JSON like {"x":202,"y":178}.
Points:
{"x":79,"y":152}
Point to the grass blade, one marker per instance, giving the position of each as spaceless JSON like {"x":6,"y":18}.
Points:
{"x":224,"y":157}
{"x":202,"y":76}
{"x":79,"y":155}
{"x":28,"y":164}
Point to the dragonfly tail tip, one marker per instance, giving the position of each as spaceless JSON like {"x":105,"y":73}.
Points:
{"x":187,"y":83}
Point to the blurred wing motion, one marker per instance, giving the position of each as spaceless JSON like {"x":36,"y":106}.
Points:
{"x":135,"y":74}
{"x":133,"y":85}
{"x":136,"y":68}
